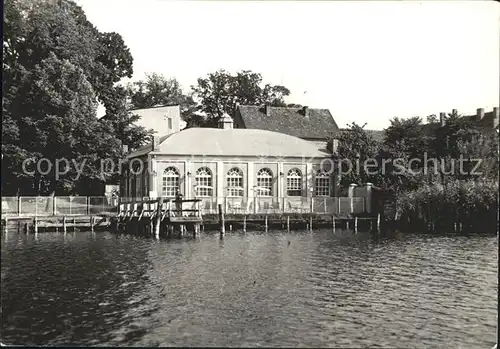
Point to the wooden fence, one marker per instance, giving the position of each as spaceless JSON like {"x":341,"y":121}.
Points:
{"x":58,"y":205}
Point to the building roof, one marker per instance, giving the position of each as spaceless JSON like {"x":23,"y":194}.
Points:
{"x":319,"y":124}
{"x":157,"y":106}
{"x":488,"y":120}
{"x":226,"y":118}
{"x":233,"y":142}
{"x":487,"y":124}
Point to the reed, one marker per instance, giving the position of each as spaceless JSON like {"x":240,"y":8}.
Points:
{"x":469,"y":205}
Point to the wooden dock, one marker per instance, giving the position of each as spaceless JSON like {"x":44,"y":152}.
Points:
{"x":159,"y":217}
{"x":166,"y":217}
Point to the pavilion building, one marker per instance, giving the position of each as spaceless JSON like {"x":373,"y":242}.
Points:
{"x":213,"y":164}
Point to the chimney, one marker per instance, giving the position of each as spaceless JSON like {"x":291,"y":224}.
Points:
{"x":156,"y":143}
{"x":496,"y":115}
{"x":305,"y":110}
{"x":454,"y":112}
{"x":333,"y":145}
{"x":267,"y":110}
{"x":442,"y":119}
{"x":479,"y":114}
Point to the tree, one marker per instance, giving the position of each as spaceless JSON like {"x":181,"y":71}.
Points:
{"x":122,"y":120}
{"x":408,"y":132}
{"x":461,"y":138}
{"x":402,"y":153}
{"x":432,"y":119}
{"x":447,"y":188}
{"x":157,"y":90}
{"x":57,"y":65}
{"x":356,"y":148}
{"x":220,"y":92}
{"x":66,"y":127}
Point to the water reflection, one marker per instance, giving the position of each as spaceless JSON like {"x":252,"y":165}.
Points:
{"x":276,"y":289}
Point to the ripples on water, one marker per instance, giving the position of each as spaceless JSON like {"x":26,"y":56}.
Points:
{"x":275,"y":289}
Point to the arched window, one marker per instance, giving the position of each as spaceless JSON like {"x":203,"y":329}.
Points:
{"x":322,"y":183}
{"x":264,"y":182}
{"x":204,"y":182}
{"x":294,"y":182}
{"x":133,"y":185}
{"x":170,"y":181}
{"x":145,"y":184}
{"x":235,"y":182}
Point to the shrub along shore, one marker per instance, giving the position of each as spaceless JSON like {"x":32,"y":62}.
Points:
{"x":456,"y":206}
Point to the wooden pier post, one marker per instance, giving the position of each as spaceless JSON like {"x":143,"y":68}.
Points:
{"x":35,"y":225}
{"x":158,"y":217}
{"x":265,"y":222}
{"x":64,"y":225}
{"x":222,"y":224}
{"x":74,"y":225}
{"x":6,"y":224}
{"x":92,"y":224}
{"x":230,"y":227}
{"x":333,"y":223}
{"x":347,"y":223}
{"x":288,"y":223}
{"x":245,"y":224}
{"x":378,"y":222}
{"x":310,"y":223}
{"x":355,"y":224}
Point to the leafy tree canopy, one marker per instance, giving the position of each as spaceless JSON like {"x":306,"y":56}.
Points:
{"x":355,"y":148}
{"x":157,"y":90}
{"x":221,"y":91}
{"x":57,"y":65}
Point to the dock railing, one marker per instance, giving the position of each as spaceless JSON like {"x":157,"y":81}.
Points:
{"x":58,"y":205}
{"x":148,"y":207}
{"x":94,"y":205}
{"x":258,"y":205}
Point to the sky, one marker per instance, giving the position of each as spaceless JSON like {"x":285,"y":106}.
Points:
{"x":367,"y":62}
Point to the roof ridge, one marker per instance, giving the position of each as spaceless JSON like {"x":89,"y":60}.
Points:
{"x":278,"y":107}
{"x":158,"y":106}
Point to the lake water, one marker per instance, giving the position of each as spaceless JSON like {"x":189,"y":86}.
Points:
{"x":278,"y":289}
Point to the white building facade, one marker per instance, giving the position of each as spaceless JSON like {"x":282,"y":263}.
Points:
{"x":216,"y":165}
